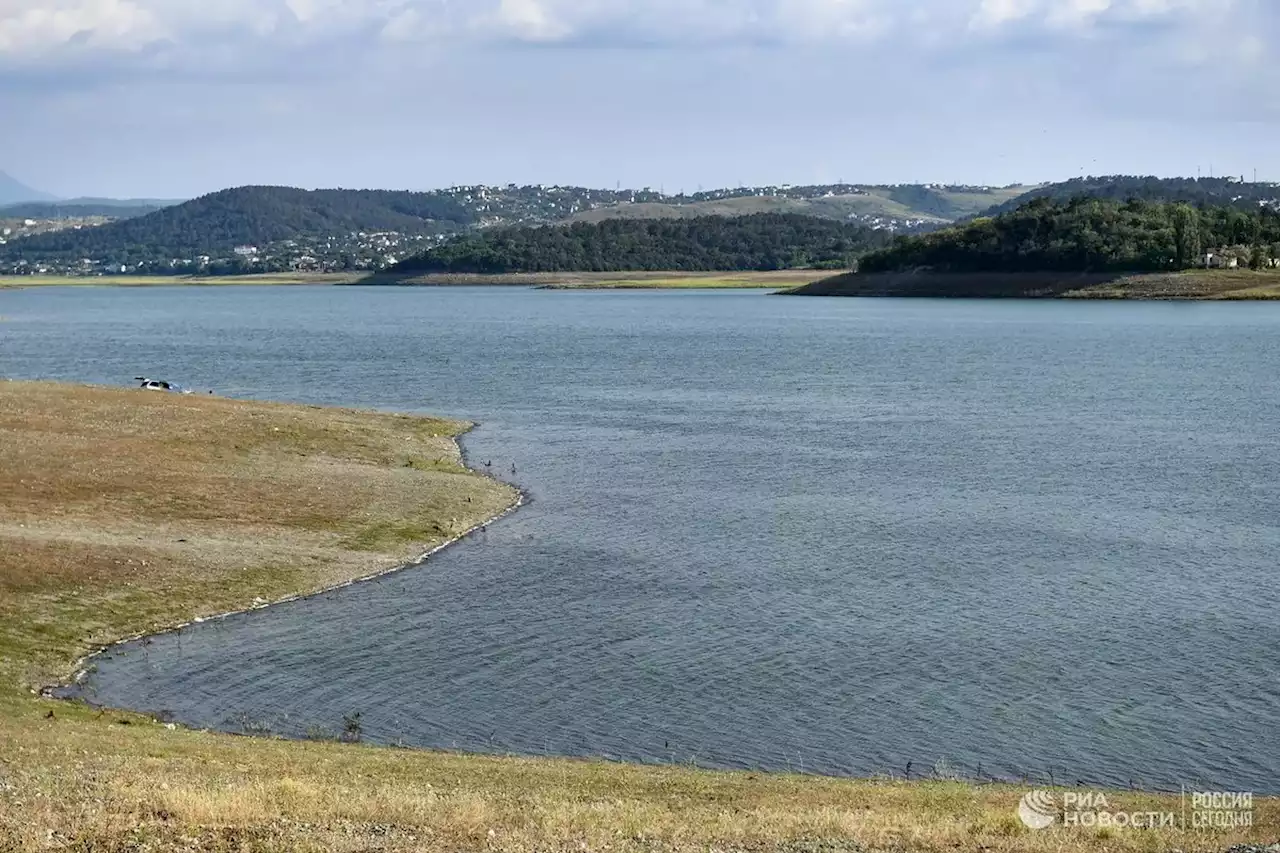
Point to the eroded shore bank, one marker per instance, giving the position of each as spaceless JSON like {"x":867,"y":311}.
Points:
{"x":124,"y":510}
{"x":1205,"y":285}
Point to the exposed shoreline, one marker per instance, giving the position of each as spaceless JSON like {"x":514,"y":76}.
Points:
{"x":414,"y":496}
{"x":114,"y":779}
{"x":83,"y":666}
{"x":552,"y":281}
{"x":1191,"y":285}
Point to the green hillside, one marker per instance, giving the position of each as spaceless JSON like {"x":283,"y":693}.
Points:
{"x":908,"y":206}
{"x":215,"y":225}
{"x":763,"y":241}
{"x":1089,"y":235}
{"x":262,"y":230}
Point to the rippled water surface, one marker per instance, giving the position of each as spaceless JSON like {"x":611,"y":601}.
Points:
{"x":829,"y":535}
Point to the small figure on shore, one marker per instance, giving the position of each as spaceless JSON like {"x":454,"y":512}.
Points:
{"x":489,"y":464}
{"x":513,"y":469}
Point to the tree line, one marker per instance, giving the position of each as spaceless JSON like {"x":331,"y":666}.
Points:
{"x":1088,"y":234}
{"x":764,"y":241}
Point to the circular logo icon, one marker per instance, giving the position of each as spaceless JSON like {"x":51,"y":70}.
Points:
{"x":1038,"y":810}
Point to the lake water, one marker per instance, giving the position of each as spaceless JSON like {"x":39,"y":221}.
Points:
{"x":822,"y":535}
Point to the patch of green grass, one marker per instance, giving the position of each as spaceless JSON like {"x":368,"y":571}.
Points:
{"x":382,"y":535}
{"x":442,"y":464}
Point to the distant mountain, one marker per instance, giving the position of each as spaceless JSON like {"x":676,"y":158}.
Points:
{"x":73,"y":209}
{"x":13,"y":191}
{"x":124,"y":202}
{"x":761,"y":241}
{"x":1197,"y":191}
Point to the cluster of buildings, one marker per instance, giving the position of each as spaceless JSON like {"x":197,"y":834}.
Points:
{"x":1237,"y":257}
{"x":355,"y":252}
{"x":14,"y":228}
{"x":488,"y":207}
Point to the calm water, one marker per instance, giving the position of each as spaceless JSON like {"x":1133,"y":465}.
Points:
{"x":829,"y":535}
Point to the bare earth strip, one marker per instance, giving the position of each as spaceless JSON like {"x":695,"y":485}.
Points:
{"x":569,"y":280}
{"x":122,"y":511}
{"x":1200,"y":285}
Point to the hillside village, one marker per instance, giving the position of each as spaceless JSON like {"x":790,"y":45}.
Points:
{"x":279,"y":229}
{"x":484,"y":207}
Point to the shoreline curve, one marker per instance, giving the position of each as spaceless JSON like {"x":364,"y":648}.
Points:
{"x":82,"y":666}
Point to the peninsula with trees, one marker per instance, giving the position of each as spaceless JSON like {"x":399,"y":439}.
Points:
{"x":760,"y":242}
{"x":1083,"y":247}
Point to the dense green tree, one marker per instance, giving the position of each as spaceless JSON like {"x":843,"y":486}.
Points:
{"x":1200,"y":192}
{"x":759,"y":242}
{"x":1084,"y":234}
{"x":1260,"y":257}
{"x":1186,"y":231}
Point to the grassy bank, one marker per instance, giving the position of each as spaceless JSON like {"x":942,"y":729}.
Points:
{"x":600,"y":281}
{"x":618,"y":280}
{"x":1188,"y":285}
{"x":124,"y":510}
{"x":713,"y":281}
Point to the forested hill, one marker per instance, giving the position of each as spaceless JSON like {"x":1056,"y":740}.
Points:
{"x":1197,"y":191}
{"x":758,"y":242}
{"x":252,"y":216}
{"x":1089,"y":235}
{"x":276,"y":229}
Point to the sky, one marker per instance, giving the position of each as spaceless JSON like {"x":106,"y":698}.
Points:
{"x":175,"y":98}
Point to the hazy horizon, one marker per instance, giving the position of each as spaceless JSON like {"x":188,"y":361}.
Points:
{"x":62,"y":199}
{"x":160,"y":99}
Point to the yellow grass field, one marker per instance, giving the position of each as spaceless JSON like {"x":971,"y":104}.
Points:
{"x":695,"y":281}
{"x":599,"y":281}
{"x":124,"y":510}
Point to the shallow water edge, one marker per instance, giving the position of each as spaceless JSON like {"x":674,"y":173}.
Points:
{"x":72,"y":690}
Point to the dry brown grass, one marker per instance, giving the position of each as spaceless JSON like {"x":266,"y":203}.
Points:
{"x":99,"y":487}
{"x":600,"y":280}
{"x":124,"y":510}
{"x":614,"y":280}
{"x":1213,"y":285}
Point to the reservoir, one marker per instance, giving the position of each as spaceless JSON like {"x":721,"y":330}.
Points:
{"x":830,"y":536}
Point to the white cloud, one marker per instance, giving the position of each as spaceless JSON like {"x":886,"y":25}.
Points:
{"x":995,"y":13}
{"x":524,"y":20}
{"x":56,"y":29}
{"x":106,"y":24}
